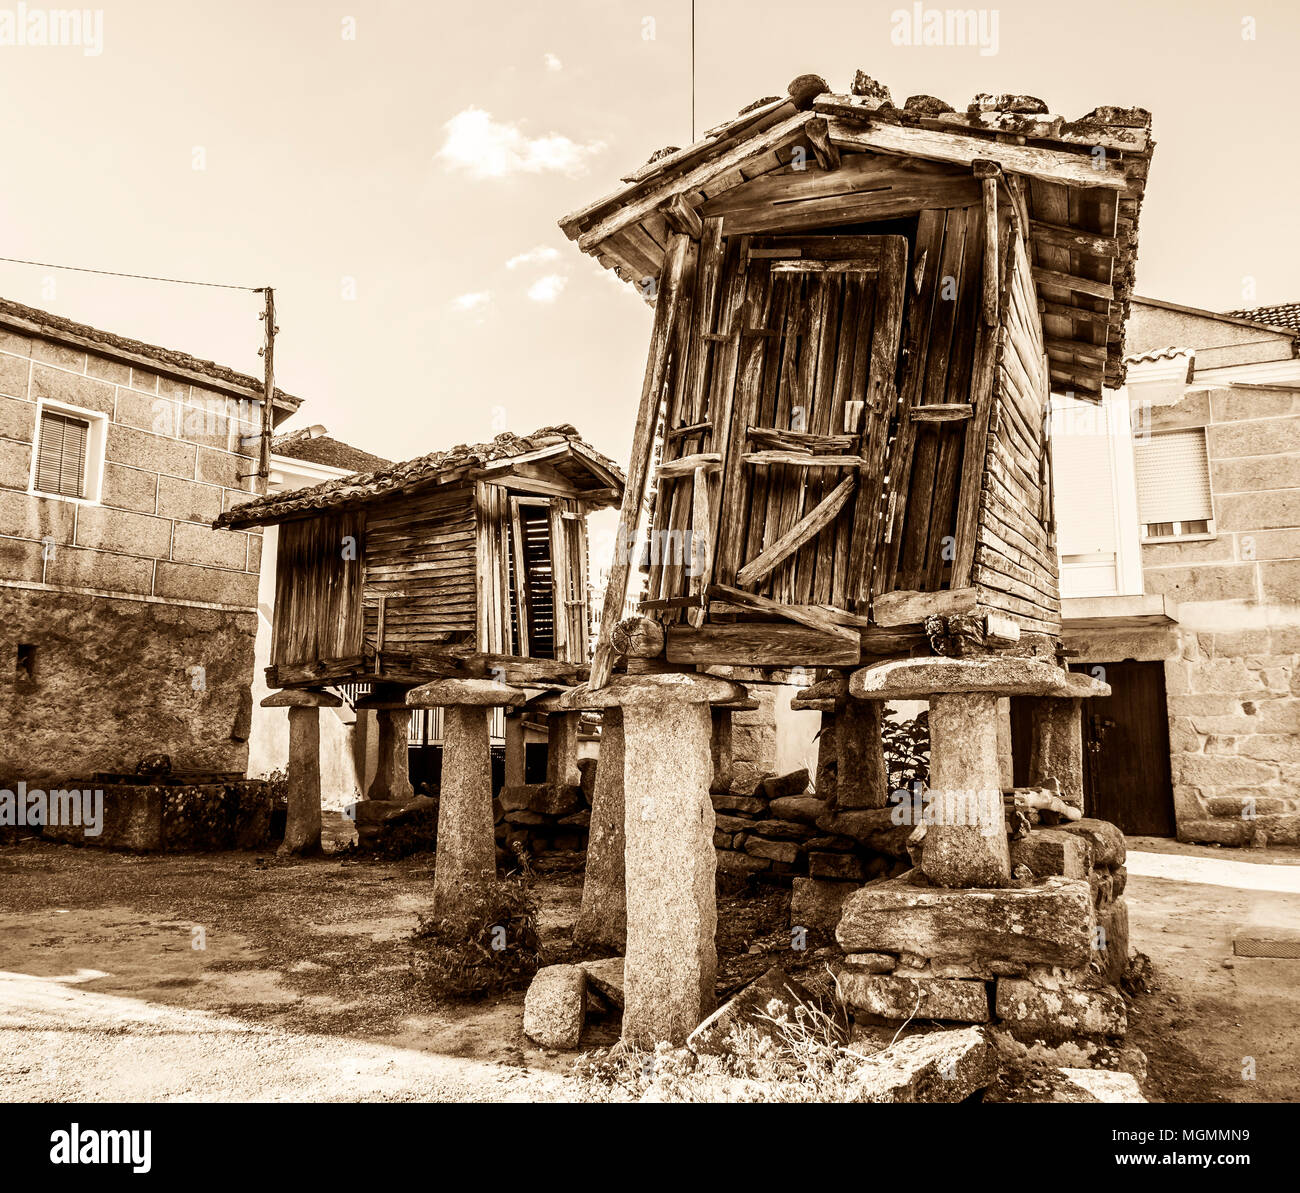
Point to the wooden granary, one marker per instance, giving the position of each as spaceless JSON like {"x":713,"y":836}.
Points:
{"x":454,"y":564}
{"x":860,"y":311}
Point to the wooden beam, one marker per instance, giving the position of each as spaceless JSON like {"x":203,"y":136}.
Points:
{"x":635,"y":210}
{"x":1073,"y":239}
{"x":947,"y":412}
{"x":762,"y":644}
{"x":819,"y":137}
{"x":991,"y":273}
{"x":666,"y":308}
{"x":1049,"y":165}
{"x":683,"y":218}
{"x":806,"y":615}
{"x":1061,"y":311}
{"x":811,"y":524}
{"x":686,"y":465}
{"x":893,"y":609}
{"x":802,"y":441}
{"x":1067,"y":281}
{"x":800,"y":460}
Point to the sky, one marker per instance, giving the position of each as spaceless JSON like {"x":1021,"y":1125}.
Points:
{"x":397,"y":170}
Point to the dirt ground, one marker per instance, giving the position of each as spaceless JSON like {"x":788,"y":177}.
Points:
{"x":241,"y":977}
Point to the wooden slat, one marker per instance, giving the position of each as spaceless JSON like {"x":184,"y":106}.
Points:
{"x":810,"y":524}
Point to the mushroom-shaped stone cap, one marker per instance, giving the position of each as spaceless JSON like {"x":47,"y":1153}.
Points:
{"x":918,"y":679}
{"x":300,"y":698}
{"x":640,"y":691}
{"x":482,"y":693}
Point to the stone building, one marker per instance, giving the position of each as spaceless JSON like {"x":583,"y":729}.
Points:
{"x":1178,"y":511}
{"x":128,"y":623}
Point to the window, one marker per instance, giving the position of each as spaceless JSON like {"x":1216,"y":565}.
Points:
{"x":61,"y":454}
{"x":1173,"y":485}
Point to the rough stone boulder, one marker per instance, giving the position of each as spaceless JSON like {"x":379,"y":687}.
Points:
{"x":1069,"y":1085}
{"x":606,"y":977}
{"x":555,"y":1006}
{"x":815,"y":903}
{"x":1057,"y":1013}
{"x":893,"y":997}
{"x":872,"y":827}
{"x":784,"y":786}
{"x":1050,"y":923}
{"x":772,"y":996}
{"x":1050,"y":851}
{"x":805,"y":808}
{"x":1108,"y":848}
{"x":942,"y":1066}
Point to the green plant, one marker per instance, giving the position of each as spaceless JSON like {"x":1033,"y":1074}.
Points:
{"x":491,"y":947}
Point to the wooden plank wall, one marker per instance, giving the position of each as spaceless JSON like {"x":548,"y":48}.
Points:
{"x":1015,"y":568}
{"x":943,"y":323}
{"x":421,"y":571}
{"x":318,"y":587}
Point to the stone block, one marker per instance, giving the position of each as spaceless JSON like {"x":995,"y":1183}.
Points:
{"x":1112,"y":940}
{"x":15,"y":464}
{"x":1108,"y":848}
{"x":13,"y":375}
{"x":836,"y":865}
{"x":731,"y":862}
{"x":1223,"y":582}
{"x":805,"y":808}
{"x":1277,"y":510}
{"x":183,"y":581}
{"x":785,"y":830}
{"x":1056,"y":1014}
{"x":124,"y":532}
{"x":555,"y":1006}
{"x":140,"y":449}
{"x":873,"y":827}
{"x":1050,"y":851}
{"x":58,"y":385}
{"x":217,"y":467}
{"x":817,"y":903}
{"x":130,"y":489}
{"x":752,"y":804}
{"x":1283,"y":829}
{"x":83,"y":568}
{"x":17,"y":419}
{"x":606,"y":976}
{"x":775,"y":995}
{"x":870,"y":962}
{"x":892,"y":997}
{"x":38,"y":518}
{"x":201,"y":545}
{"x":782,"y":786}
{"x":1254,"y":474}
{"x":777,"y":851}
{"x":550,"y":800}
{"x":108,"y":370}
{"x":190,"y":502}
{"x":1255,"y":437}
{"x":1049,"y":923}
{"x":519,"y":797}
{"x":1217,"y":832}
{"x":942,"y":1066}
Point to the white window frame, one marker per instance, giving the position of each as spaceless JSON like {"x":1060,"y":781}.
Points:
{"x":96,"y":439}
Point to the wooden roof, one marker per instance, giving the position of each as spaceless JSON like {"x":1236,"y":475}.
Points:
{"x":538,"y":462}
{"x":1077,"y":185}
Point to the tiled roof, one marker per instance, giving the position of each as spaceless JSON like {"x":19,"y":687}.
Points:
{"x":333,"y":453}
{"x":408,"y":476}
{"x":1286,"y":314}
{"x":15,"y":314}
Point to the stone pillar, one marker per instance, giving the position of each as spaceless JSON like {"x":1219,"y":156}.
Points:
{"x":966,"y":843}
{"x":825,"y":782}
{"x":303,"y":823}
{"x":562,"y":749}
{"x":862,"y":780}
{"x":516,"y":750}
{"x":670,"y":964}
{"x":1006,"y":752}
{"x":392,"y":779}
{"x":1056,"y":747}
{"x":465,"y":863}
{"x":603,"y":916}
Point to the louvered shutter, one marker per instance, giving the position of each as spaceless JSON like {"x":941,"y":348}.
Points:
{"x":1173,"y":477}
{"x":61,"y":455}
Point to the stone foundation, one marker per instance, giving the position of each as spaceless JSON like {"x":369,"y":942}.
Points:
{"x":114,"y":680}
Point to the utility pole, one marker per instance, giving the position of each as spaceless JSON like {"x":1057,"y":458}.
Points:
{"x":267,"y":353}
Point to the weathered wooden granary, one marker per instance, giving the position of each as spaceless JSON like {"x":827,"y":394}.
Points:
{"x":860,"y":310}
{"x":454,"y":564}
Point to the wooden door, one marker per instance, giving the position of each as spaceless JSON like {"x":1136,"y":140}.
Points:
{"x":797,"y":424}
{"x":1126,"y":749}
{"x":1126,"y":772}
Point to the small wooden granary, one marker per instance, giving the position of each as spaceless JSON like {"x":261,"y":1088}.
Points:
{"x":860,"y":311}
{"x":453,"y":564}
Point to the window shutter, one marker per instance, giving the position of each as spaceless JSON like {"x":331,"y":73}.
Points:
{"x":1082,"y":474}
{"x":61,"y":455}
{"x":1173,"y":477}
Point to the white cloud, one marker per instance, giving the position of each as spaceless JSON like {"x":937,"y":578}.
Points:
{"x":487,"y":148}
{"x":543,"y":252}
{"x":547,"y":289}
{"x":472,"y":301}
{"x":553,"y":63}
